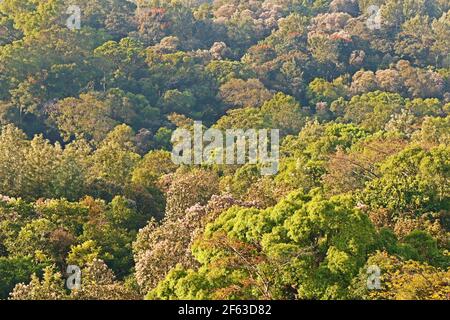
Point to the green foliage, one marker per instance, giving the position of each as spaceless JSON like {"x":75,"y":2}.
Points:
{"x":413,"y":180}
{"x":14,"y":270}
{"x":303,"y":247}
{"x":87,"y":177}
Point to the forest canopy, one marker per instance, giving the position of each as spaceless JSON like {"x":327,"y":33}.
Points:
{"x":91,"y":92}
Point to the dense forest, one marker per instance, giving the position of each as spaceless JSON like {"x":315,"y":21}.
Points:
{"x":91,"y":92}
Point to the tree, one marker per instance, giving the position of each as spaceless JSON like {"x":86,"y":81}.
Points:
{"x":99,"y":283}
{"x":301,"y":248}
{"x":31,"y":16}
{"x":320,"y":90}
{"x":12,"y":159}
{"x":441,"y":33}
{"x":373,"y":110}
{"x":420,"y":83}
{"x":159,"y":248}
{"x":351,"y":169}
{"x":413,"y":180}
{"x":239,"y":93}
{"x":415,"y":39}
{"x":349,"y":6}
{"x":124,"y":63}
{"x":51,"y":287}
{"x":115,"y":158}
{"x":189,"y":188}
{"x":41,"y":161}
{"x":157,"y":20}
{"x":110,"y":238}
{"x":403,"y":280}
{"x":244,"y":118}
{"x":153,"y":166}
{"x":113,"y":16}
{"x":14,"y":270}
{"x":40,"y":237}
{"x":71,"y":176}
{"x":87,"y":116}
{"x":285,"y":113}
{"x":434,"y":131}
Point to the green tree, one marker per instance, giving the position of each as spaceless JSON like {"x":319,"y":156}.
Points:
{"x":301,"y":248}
{"x":14,"y":270}
{"x":115,"y":158}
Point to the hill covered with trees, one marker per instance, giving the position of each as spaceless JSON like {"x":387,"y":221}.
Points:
{"x":360,"y":206}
